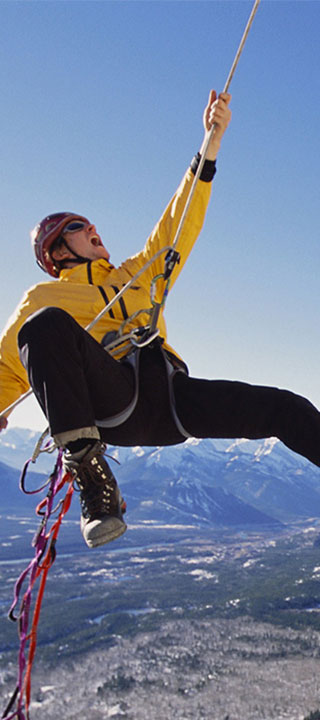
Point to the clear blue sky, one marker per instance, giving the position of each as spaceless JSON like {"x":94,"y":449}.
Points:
{"x":102,"y":111}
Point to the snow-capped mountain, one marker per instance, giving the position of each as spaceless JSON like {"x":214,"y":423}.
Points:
{"x":223,"y":482}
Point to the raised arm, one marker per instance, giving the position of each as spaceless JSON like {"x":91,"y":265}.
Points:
{"x":217,"y":113}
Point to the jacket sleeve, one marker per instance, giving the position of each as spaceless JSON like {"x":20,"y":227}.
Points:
{"x":165,"y":231}
{"x":13,"y":376}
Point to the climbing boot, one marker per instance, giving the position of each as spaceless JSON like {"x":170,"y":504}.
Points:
{"x":102,"y":506}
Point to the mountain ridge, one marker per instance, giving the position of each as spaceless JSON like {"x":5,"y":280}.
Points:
{"x":216,"y":482}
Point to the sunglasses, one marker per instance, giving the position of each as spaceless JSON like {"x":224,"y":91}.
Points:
{"x":74,"y":226}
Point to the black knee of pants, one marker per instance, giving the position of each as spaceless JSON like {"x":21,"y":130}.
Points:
{"x":74,"y":379}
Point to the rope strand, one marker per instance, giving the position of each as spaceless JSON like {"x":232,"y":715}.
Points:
{"x":44,"y":544}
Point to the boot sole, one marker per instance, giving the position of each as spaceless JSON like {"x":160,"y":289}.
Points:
{"x":96,"y":538}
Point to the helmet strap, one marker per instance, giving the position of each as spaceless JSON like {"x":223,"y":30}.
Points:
{"x":75,"y":260}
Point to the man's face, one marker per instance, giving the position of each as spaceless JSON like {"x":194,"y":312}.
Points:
{"x":86,"y":242}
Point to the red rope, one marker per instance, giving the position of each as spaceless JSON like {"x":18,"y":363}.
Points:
{"x":44,"y":569}
{"x":39,"y":567}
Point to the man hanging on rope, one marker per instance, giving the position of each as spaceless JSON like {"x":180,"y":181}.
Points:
{"x":144,"y":397}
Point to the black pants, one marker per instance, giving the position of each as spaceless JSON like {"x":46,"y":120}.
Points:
{"x":77,"y":383}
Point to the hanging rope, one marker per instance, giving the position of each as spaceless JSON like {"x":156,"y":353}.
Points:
{"x":44,"y":557}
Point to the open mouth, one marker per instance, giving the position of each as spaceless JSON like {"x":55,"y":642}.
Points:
{"x":95,"y":240}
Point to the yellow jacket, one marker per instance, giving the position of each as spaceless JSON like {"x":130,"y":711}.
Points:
{"x":83,"y":291}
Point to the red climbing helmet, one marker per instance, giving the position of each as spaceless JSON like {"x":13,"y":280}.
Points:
{"x":44,"y":235}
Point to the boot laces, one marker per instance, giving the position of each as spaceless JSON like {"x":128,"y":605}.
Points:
{"x":98,"y":488}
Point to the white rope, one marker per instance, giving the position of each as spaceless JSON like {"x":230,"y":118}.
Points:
{"x":16,"y":402}
{"x":127,"y":286}
{"x":210,"y":133}
{"x":183,"y":216}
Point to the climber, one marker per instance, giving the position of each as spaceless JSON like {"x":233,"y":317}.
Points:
{"x":140,"y":396}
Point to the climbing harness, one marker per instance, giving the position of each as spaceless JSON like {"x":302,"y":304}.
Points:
{"x":44,"y":543}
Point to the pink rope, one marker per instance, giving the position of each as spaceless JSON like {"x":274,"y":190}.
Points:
{"x":57,"y":480}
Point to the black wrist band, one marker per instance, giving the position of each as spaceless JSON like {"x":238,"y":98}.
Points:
{"x":208,"y":171}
